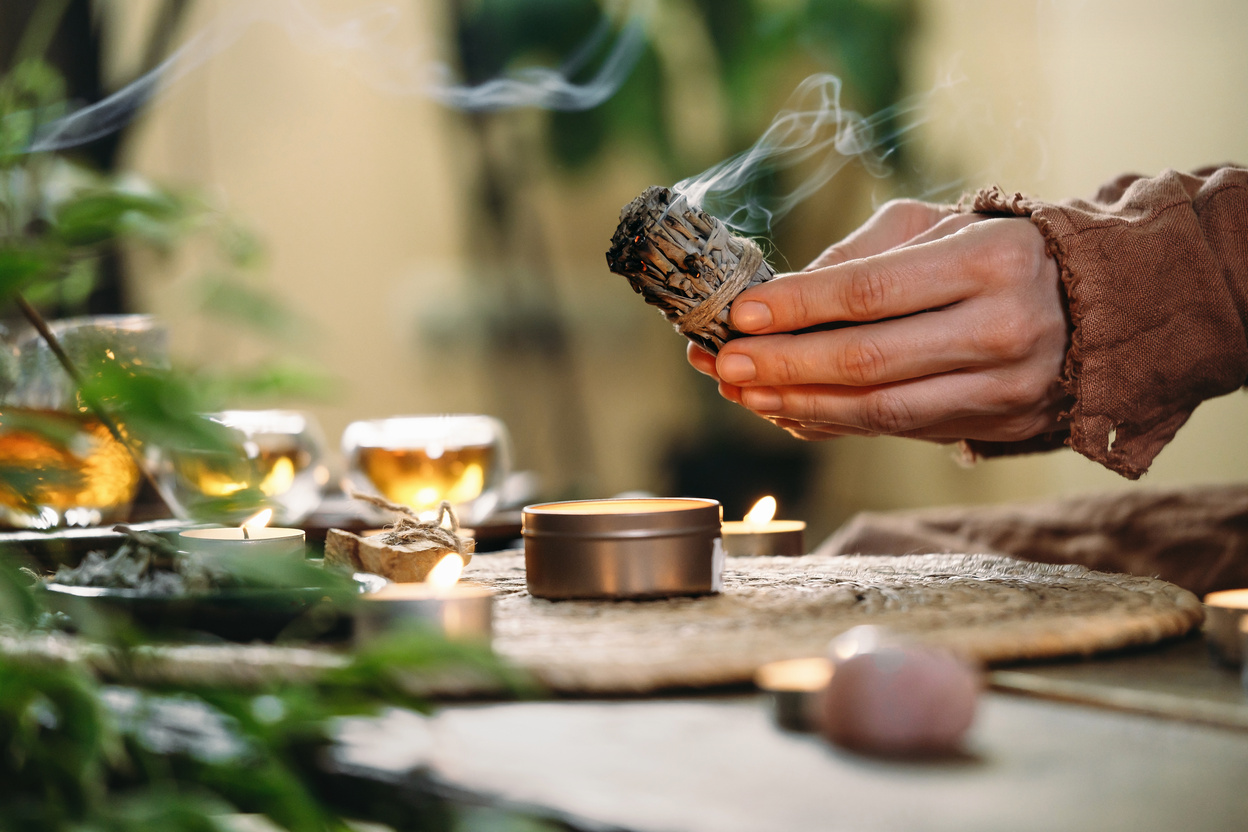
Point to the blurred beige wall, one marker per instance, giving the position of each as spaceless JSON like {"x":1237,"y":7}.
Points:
{"x":1054,"y":99}
{"x":362,"y":199}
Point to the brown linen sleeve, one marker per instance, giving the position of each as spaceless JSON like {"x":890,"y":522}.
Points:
{"x":1155,"y":272}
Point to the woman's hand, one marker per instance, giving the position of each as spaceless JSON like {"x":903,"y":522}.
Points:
{"x":961,"y":333}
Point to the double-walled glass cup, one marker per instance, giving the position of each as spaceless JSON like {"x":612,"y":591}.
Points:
{"x":277,"y":463}
{"x":419,"y":461}
{"x":65,"y":467}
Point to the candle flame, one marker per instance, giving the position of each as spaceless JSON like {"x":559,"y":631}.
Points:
{"x":763,"y":511}
{"x":445,"y":572}
{"x":259,"y":521}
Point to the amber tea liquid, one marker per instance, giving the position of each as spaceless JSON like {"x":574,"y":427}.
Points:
{"x":271,"y":471}
{"x":423,"y":477}
{"x":87,"y":479}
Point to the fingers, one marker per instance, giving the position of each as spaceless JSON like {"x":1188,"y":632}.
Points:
{"x":942,"y":406}
{"x":962,"y":334}
{"x":994,"y":429}
{"x":814,"y":431}
{"x":895,"y":223}
{"x":947,"y":225}
{"x":958,"y":258}
{"x":701,"y":360}
{"x":917,"y":345}
{"x":898,"y":282}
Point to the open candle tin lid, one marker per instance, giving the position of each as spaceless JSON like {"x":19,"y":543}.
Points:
{"x":623,"y":548}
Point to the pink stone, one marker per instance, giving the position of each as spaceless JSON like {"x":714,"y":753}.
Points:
{"x":889,"y":697}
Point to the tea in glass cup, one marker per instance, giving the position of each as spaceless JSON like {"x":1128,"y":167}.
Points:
{"x":66,"y":467}
{"x":277,"y":463}
{"x":419,"y":461}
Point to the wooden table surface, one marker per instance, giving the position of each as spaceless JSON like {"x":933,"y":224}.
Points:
{"x":718,"y":763}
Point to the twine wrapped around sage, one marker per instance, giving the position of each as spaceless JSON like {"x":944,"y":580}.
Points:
{"x":685,"y":262}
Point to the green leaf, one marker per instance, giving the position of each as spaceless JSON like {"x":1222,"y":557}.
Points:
{"x":98,"y":216}
{"x":71,"y":291}
{"x":379,"y":668}
{"x":243,"y":248}
{"x":268,"y":382}
{"x":232,"y":300}
{"x":22,"y":485}
{"x":162,"y":808}
{"x":22,"y":264}
{"x":59,"y":744}
{"x":62,"y":430}
{"x":161,"y":407}
{"x":31,"y":94}
{"x":17,"y":603}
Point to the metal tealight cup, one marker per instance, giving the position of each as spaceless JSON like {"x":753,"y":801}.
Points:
{"x":623,"y":548}
{"x":1225,"y":612}
{"x":462,"y":612}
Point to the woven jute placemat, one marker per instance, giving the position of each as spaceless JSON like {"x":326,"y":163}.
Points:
{"x":993,"y":608}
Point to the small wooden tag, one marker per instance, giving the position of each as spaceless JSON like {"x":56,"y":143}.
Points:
{"x":404,"y":563}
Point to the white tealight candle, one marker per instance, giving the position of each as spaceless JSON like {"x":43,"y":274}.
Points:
{"x":459,"y":612}
{"x":758,"y":534}
{"x":252,"y":539}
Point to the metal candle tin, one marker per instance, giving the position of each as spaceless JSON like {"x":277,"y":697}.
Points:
{"x":463,"y":612}
{"x":625,"y":548}
{"x":1225,"y":612}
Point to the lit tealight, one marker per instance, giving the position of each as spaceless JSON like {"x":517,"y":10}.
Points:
{"x":794,"y":686}
{"x":763,"y":512}
{"x":457,"y":611}
{"x":259,"y":521}
{"x":254,"y":538}
{"x":445,"y":573}
{"x":759,"y":534}
{"x":1225,"y":612}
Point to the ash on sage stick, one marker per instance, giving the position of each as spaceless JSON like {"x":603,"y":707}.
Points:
{"x":685,"y":262}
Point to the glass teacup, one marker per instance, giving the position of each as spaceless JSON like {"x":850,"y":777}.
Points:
{"x":419,"y":461}
{"x":73,"y":470}
{"x":278,"y":463}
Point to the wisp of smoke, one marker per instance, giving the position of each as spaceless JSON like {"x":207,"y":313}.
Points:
{"x":547,"y":88}
{"x":368,"y":37}
{"x":813,"y":126}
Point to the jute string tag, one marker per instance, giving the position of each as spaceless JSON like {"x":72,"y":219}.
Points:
{"x":409,"y":528}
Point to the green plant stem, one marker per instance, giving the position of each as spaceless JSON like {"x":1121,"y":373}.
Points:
{"x":40,"y":29}
{"x":54,"y":344}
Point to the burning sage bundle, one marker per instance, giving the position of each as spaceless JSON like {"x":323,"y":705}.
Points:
{"x":685,"y":262}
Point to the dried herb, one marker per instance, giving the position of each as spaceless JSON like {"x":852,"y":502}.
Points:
{"x":147,"y":563}
{"x":685,"y":262}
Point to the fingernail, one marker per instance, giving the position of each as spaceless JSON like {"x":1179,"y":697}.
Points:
{"x":736,"y":368}
{"x":751,"y":315}
{"x":761,"y":398}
